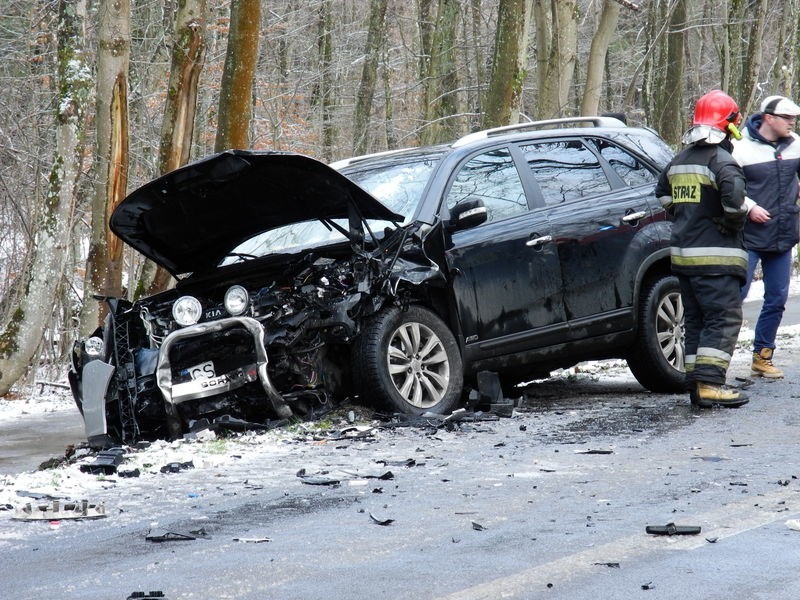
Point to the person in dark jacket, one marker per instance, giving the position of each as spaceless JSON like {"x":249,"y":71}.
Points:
{"x":702,"y":188}
{"x":769,"y":153}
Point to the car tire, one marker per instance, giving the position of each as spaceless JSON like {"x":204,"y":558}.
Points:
{"x":408,"y":361}
{"x":657,"y":357}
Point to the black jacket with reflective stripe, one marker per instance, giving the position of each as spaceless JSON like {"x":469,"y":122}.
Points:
{"x":702,"y":189}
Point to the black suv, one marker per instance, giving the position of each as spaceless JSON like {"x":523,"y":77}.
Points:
{"x":395,"y":277}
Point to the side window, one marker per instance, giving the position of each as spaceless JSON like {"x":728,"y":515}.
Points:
{"x":493,"y":178}
{"x":627,"y":166}
{"x":565,"y":170}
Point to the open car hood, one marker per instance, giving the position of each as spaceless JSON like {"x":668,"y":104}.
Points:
{"x":189,"y":219}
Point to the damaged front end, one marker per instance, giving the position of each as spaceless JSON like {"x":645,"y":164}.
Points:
{"x":253,"y":342}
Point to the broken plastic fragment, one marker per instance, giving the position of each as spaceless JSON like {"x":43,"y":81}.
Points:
{"x":672,"y":529}
{"x":105,"y":463}
{"x":169,"y":536}
{"x":477,"y":526}
{"x":60,"y":510}
{"x":380,"y":521}
{"x":175,"y":467}
{"x":793,"y":524}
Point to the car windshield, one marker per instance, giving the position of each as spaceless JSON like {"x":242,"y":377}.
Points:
{"x":397,"y":181}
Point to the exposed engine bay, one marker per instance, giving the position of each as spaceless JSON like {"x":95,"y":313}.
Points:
{"x":258,"y":340}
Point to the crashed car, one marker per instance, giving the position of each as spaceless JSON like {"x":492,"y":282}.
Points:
{"x":393,"y":278}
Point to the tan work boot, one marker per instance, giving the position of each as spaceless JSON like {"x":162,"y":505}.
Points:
{"x":762,"y":365}
{"x":708,"y":395}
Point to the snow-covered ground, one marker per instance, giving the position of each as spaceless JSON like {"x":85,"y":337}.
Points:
{"x":217,"y":455}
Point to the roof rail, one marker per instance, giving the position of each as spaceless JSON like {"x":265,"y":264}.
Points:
{"x":591,"y":121}
{"x":344,"y":162}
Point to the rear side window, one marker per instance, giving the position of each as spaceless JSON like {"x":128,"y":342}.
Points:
{"x":630,"y":169}
{"x":565,"y":170}
{"x":493,"y":178}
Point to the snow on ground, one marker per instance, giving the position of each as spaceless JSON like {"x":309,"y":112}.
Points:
{"x":215,"y":457}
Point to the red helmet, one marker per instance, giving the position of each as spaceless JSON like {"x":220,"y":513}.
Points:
{"x":718,"y":110}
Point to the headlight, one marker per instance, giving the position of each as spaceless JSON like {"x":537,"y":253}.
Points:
{"x":186,"y":310}
{"x":236,"y":300}
{"x":94,"y":346}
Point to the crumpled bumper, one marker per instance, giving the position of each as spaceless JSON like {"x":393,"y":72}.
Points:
{"x":96,"y":377}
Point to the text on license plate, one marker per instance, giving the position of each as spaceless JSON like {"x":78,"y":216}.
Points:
{"x":204,"y":370}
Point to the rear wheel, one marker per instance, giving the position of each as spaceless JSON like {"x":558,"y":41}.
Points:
{"x":408,"y":361}
{"x":657,"y":358}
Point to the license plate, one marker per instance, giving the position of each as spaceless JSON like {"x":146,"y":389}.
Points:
{"x":204,"y":370}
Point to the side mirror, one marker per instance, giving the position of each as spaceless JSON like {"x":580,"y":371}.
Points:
{"x":468,"y":213}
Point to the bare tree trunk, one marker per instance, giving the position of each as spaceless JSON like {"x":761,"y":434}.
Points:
{"x":104,"y":263}
{"x":671,"y":123}
{"x":369,"y":74}
{"x":441,"y":87}
{"x":236,"y":93}
{"x":752,"y":67}
{"x":388,"y":99}
{"x":34,"y":307}
{"x":557,"y":39}
{"x":785,"y":66}
{"x":733,"y":70}
{"x":597,"y":57}
{"x":177,"y":128}
{"x":508,"y":65}
{"x":326,"y":98}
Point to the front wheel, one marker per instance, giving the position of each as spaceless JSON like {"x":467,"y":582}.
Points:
{"x":408,"y":361}
{"x":657,"y":357}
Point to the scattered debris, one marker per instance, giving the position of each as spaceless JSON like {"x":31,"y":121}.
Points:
{"x":739,"y":483}
{"x":352,"y":433}
{"x":648,"y":586}
{"x":151,"y":595}
{"x":477,"y":526}
{"x":105,"y":463}
{"x":176,"y":467}
{"x":316,"y":479}
{"x":610,"y":565}
{"x":594,"y":452}
{"x":6,"y":507}
{"x":58,"y":511}
{"x":409,"y":462}
{"x":130,"y":473}
{"x":793,"y":524}
{"x":712,"y":540}
{"x":253,"y":540}
{"x":672,"y":529}
{"x":38,"y":495}
{"x":380,"y":521}
{"x":169,"y":536}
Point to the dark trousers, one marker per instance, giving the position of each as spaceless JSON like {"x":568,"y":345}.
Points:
{"x":713,"y":316}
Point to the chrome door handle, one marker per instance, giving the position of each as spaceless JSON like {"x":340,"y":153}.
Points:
{"x":634,"y":217}
{"x":536,"y":242}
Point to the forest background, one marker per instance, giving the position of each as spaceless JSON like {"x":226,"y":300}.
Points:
{"x":100,"y":96}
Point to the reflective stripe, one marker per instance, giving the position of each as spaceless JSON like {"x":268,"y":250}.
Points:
{"x":713,"y":362}
{"x":713,"y":255}
{"x":692,"y":174}
{"x":713,"y":357}
{"x":706,"y":351}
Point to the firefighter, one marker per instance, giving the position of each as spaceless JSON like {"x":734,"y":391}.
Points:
{"x":703,"y":190}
